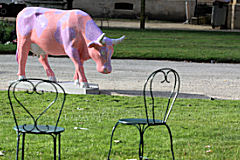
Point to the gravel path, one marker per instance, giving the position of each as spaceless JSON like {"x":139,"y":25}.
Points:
{"x":198,"y":80}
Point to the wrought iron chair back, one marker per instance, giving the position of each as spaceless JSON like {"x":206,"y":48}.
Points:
{"x":164,"y":78}
{"x":157,"y":110}
{"x":37,"y":106}
{"x":39,"y":88}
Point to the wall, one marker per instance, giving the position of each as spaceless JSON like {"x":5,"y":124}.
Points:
{"x":6,"y":1}
{"x":61,"y":4}
{"x":169,"y":9}
{"x":155,"y":9}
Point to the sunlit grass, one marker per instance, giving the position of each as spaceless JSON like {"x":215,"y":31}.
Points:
{"x":198,"y":46}
{"x":202,"y":129}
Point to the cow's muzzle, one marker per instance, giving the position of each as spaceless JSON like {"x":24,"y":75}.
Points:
{"x":105,"y":69}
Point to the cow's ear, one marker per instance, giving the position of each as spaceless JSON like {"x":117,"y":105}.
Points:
{"x":95,"y":45}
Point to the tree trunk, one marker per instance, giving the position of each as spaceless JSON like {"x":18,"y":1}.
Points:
{"x":69,"y":4}
{"x":142,"y":17}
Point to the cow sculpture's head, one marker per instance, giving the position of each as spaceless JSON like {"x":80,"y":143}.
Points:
{"x":101,"y":52}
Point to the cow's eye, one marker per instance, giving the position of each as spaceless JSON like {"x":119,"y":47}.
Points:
{"x":103,"y":51}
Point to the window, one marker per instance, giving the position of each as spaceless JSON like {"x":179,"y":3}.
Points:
{"x":124,"y":6}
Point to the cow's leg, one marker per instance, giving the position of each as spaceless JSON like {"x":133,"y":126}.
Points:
{"x":44,"y":61}
{"x":72,"y":49}
{"x":23,"y":47}
{"x":79,"y":77}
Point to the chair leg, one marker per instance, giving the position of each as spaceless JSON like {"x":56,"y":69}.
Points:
{"x":23,"y":142}
{"x":169,"y":131}
{"x":109,"y":152}
{"x":18,"y":139}
{"x":141,"y":144}
{"x":54,"y":147}
{"x":59,"y":146}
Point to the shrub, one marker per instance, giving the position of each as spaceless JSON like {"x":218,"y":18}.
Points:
{"x":7,"y":32}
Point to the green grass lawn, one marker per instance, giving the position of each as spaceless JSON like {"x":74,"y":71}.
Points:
{"x":202,"y":130}
{"x":8,"y":49}
{"x":198,"y":46}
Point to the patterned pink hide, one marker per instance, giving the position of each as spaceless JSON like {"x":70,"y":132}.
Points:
{"x":61,"y":32}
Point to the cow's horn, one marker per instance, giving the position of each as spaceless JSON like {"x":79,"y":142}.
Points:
{"x":119,"y":40}
{"x":100,"y":38}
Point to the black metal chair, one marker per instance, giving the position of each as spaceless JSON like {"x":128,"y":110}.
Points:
{"x":49,"y":97}
{"x":157,"y":111}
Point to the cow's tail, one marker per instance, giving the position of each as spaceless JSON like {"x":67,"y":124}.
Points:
{"x":17,"y":55}
{"x":17,"y":51}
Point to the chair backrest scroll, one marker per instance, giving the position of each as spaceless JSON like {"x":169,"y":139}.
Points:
{"x":36,"y":102}
{"x":164,"y":82}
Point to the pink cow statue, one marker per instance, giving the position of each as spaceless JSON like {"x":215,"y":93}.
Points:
{"x":45,"y":31}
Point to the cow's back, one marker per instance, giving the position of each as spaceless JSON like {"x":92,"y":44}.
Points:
{"x":53,"y":30}
{"x":28,"y":18}
{"x":45,"y":27}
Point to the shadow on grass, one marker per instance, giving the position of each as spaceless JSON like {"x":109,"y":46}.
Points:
{"x":158,"y":93}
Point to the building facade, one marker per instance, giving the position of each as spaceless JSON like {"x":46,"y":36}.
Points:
{"x":174,"y":10}
{"x":169,"y":10}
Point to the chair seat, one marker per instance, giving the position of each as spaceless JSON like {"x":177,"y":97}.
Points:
{"x":133,"y":121}
{"x":39,"y":129}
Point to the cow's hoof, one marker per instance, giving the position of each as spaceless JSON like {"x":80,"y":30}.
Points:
{"x":76,"y":82}
{"x":21,"y":77}
{"x":81,"y":84}
{"x":52,"y":78}
{"x":84,"y":85}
